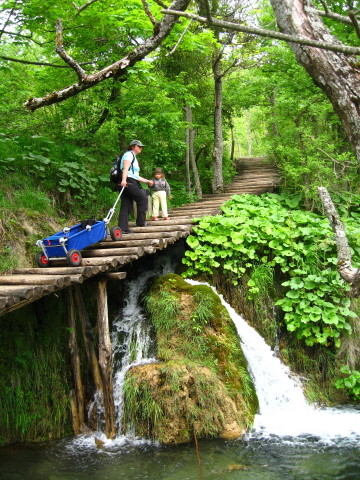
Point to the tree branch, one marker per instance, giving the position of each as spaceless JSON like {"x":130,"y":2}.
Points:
{"x":270,"y":33}
{"x":66,"y":57}
{"x":41,"y":64}
{"x":82,"y":8}
{"x":347,"y":271}
{"x":161,"y":3}
{"x":8,"y":19}
{"x":334,"y":16}
{"x":150,"y":15}
{"x":355,"y":22}
{"x":114,"y":70}
{"x":173,"y":50}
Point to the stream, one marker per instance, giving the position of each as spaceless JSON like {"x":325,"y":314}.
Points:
{"x":290,"y":439}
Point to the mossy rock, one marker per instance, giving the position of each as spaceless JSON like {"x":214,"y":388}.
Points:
{"x":202,"y":385}
{"x":173,"y":402}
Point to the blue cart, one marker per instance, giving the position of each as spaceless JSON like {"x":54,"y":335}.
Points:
{"x":68,"y":243}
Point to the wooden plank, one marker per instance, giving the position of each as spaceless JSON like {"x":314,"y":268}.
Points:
{"x":124,"y":242}
{"x":18,"y":279}
{"x":110,"y":261}
{"x":172,"y":221}
{"x":149,"y":250}
{"x":112,"y":276}
{"x":20,"y":291}
{"x":182,"y":213}
{"x":199,"y":206}
{"x":161,"y":228}
{"x":85,"y":271}
{"x":147,"y":234}
{"x":106,"y":252}
{"x":76,"y":279}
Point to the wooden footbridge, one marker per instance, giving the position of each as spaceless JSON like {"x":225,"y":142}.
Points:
{"x":22,"y":286}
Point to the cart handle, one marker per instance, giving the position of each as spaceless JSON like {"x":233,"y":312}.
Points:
{"x":112,"y":210}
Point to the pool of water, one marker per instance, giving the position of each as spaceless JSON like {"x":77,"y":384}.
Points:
{"x":305,"y":458}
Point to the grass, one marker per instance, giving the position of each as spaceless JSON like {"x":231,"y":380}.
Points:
{"x":34,"y":384}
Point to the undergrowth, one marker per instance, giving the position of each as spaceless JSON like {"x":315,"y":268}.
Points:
{"x":34,"y":384}
{"x":259,"y":236}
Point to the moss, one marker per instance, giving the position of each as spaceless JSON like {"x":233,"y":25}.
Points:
{"x":34,"y":383}
{"x":171,"y":402}
{"x":199,"y":347}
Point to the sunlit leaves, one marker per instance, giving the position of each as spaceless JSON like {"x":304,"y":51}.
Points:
{"x":266,"y":232}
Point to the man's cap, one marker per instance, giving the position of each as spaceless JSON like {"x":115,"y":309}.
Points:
{"x":137,"y":142}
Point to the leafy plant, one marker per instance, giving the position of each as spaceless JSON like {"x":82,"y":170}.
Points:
{"x":350,"y":383}
{"x":257,"y":235}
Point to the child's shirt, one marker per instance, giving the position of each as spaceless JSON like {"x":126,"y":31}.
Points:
{"x":160,"y":185}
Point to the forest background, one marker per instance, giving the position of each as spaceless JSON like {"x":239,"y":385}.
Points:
{"x":204,"y":97}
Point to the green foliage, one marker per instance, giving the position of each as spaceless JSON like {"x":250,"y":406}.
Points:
{"x":256,"y":235}
{"x":282,"y":114}
{"x":350,"y":383}
{"x":34,"y":400}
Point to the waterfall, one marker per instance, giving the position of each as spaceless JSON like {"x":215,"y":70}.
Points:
{"x":131,"y":334}
{"x":131,"y":341}
{"x":283,"y":409}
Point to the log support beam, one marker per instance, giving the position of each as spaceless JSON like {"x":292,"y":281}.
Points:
{"x":105,"y":358}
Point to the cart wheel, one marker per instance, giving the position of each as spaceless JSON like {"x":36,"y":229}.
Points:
{"x":41,"y":260}
{"x":74,"y":258}
{"x":115,"y":233}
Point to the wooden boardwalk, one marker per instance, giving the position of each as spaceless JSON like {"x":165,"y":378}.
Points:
{"x":22,"y":286}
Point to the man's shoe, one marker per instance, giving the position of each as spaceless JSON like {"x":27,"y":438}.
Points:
{"x":126,"y":231}
{"x":166,"y":218}
{"x":155,"y":218}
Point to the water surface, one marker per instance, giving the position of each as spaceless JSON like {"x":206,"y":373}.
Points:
{"x":253,"y":459}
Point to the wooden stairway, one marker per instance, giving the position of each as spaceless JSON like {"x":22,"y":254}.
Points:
{"x":21,"y":286}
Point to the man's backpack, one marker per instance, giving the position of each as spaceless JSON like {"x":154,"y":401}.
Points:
{"x":116,"y":172}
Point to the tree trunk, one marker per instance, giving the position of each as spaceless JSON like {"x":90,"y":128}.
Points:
{"x":232,"y":149}
{"x":218,"y":182}
{"x":333,"y":72}
{"x":187,"y":154}
{"x":105,"y":359}
{"x":274,"y":127}
{"x":191,"y":137}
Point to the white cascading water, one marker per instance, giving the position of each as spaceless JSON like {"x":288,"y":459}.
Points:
{"x":131,"y":340}
{"x":283,"y":409}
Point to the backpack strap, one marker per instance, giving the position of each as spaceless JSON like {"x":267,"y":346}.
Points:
{"x":131,"y":165}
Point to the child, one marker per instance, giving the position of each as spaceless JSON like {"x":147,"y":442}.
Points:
{"x":161,"y":190}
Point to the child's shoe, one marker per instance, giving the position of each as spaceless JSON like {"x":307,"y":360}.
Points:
{"x":154,"y":218}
